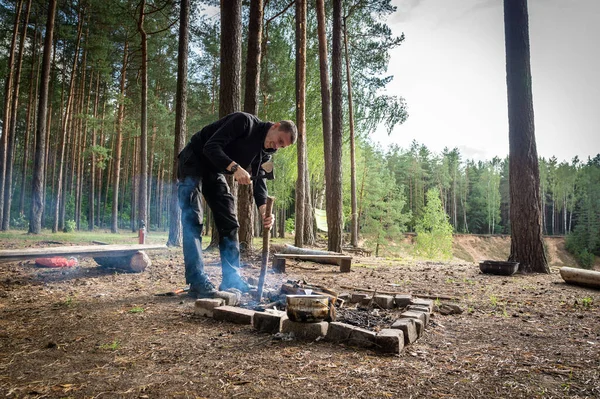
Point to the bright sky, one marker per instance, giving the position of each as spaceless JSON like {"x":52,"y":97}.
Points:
{"x":451,"y":71}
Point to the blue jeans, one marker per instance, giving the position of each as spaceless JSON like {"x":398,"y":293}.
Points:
{"x":221,"y":202}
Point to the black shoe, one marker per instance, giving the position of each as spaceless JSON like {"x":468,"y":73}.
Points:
{"x":203,"y":289}
{"x":237,"y":283}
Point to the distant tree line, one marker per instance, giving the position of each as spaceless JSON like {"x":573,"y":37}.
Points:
{"x":109,"y":147}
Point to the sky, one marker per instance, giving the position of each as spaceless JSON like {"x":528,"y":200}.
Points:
{"x":451,"y":72}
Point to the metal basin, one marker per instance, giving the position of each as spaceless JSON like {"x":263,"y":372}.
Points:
{"x":498,"y":267}
{"x":307,"y":308}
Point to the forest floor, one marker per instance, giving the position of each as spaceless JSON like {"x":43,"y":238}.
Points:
{"x":89,"y":332}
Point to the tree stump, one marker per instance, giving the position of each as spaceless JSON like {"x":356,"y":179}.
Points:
{"x":135,"y":263}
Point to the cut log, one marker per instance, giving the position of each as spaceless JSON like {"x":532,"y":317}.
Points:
{"x":290,"y":249}
{"x":583,"y":277}
{"x":135,"y":263}
{"x":92,"y":251}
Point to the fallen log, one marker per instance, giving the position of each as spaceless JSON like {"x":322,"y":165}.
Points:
{"x":290,"y":249}
{"x":135,"y":263}
{"x":583,"y":277}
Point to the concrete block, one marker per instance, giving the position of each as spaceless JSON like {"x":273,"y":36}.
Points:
{"x":408,"y":328}
{"x":421,"y":309}
{"x":402,"y":301}
{"x":233,"y":314}
{"x":349,"y":334}
{"x":420,"y":327}
{"x":204,"y":307}
{"x":390,"y":341}
{"x":384,"y":301}
{"x":366,"y":300}
{"x":268,"y":322}
{"x":231,"y":298}
{"x":409,"y":314}
{"x":307,"y":331}
{"x":423,"y":302}
{"x":357,"y":298}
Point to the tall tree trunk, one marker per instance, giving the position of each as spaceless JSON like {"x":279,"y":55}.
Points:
{"x":142,"y":215}
{"x":175,"y":228}
{"x":325,"y":102}
{"x":37,"y":197}
{"x":525,"y":204}
{"x":354,"y":221}
{"x":92,"y":188}
{"x":335,"y":195}
{"x":8,"y":92}
{"x":12,"y":131}
{"x":301,"y":120}
{"x":29,"y":120}
{"x":245,"y":199}
{"x":150,"y":169}
{"x":230,"y":76}
{"x":63,"y":136}
{"x":114,"y":226}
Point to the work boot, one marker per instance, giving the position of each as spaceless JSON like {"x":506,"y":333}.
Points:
{"x":236,"y":282}
{"x":202,"y":289}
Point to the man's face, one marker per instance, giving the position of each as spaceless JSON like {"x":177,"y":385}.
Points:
{"x":277,"y":139}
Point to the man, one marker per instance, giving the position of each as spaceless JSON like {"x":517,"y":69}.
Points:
{"x":237,"y":144}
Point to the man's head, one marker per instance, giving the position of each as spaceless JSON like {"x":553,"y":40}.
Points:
{"x":281,"y":135}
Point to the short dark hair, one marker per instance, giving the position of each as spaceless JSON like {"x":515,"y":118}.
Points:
{"x":289,"y":127}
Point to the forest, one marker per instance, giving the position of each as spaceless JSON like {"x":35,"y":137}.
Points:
{"x":112,"y":133}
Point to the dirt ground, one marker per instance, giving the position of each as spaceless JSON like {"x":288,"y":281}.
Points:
{"x":89,"y":332}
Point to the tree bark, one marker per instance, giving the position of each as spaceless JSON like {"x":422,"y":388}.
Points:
{"x":300,"y":120}
{"x":230,"y":72}
{"x":525,"y":204}
{"x":37,"y":195}
{"x":142,"y":214}
{"x":30,"y":115}
{"x":8,"y":92}
{"x":325,"y":103}
{"x":12,"y":131}
{"x":92,"y":188}
{"x":63,"y":136}
{"x":114,"y":226}
{"x":334,"y":242}
{"x":175,"y":228}
{"x":354,"y":221}
{"x":245,"y":199}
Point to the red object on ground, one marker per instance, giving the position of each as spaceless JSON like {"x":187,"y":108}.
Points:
{"x":57,"y":261}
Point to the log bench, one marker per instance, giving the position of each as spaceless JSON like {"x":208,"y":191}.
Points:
{"x":344,"y":261}
{"x":130,"y":258}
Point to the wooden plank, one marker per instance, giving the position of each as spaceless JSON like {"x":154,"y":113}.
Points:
{"x":14,"y":255}
{"x":297,"y":256}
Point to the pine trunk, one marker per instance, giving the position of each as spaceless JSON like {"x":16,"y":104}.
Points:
{"x":245,"y":199}
{"x":301,"y":120}
{"x":8,"y":92}
{"x":525,"y":203}
{"x":37,"y":192}
{"x":335,"y":195}
{"x":354,"y":220}
{"x":114,"y":225}
{"x":175,"y":228}
{"x":142,"y":215}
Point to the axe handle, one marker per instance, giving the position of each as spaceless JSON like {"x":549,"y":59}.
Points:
{"x":265,"y":251}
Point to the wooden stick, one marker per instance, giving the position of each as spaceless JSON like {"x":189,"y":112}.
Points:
{"x":420,"y":295}
{"x":265,"y":251}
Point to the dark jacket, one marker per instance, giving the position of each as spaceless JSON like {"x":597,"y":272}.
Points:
{"x":237,"y":137}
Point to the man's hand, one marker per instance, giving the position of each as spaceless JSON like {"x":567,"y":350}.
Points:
{"x":240,"y":175}
{"x":268,"y":220}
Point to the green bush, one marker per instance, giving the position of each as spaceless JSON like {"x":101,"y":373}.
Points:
{"x":70,"y":226}
{"x":434,"y":231}
{"x":289,"y":225}
{"x":20,"y":222}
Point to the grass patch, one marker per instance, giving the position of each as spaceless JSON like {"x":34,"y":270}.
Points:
{"x":137,"y":309}
{"x":113,"y":346}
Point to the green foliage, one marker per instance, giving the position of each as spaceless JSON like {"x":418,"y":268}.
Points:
{"x":584,"y":242}
{"x":289,"y":225}
{"x":434,"y":232}
{"x":70,"y":226}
